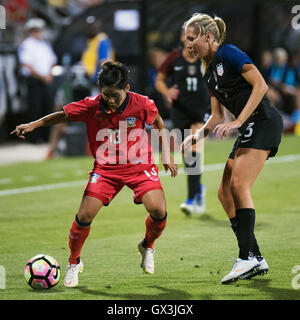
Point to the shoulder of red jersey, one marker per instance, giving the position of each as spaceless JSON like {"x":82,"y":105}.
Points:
{"x":82,"y":110}
{"x":145,"y":106}
{"x":93,"y":101}
{"x":139,"y":98}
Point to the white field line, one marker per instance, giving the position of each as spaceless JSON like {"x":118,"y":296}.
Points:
{"x":162,"y":173}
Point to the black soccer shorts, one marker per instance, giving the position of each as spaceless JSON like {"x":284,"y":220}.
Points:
{"x":260,"y":134}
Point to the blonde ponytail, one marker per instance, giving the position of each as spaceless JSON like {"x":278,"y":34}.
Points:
{"x":222,"y":29}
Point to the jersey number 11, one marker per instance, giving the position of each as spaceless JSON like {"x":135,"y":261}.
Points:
{"x":192,"y":83}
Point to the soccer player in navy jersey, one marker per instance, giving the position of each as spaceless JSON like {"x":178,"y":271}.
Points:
{"x":235,"y":82}
{"x":115,"y":121}
{"x":190,"y":103}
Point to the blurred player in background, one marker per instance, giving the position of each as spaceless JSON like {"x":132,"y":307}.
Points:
{"x":122,"y":157}
{"x":188,"y":96}
{"x":235,"y":82}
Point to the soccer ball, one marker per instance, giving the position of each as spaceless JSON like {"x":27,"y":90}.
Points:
{"x":42,"y":272}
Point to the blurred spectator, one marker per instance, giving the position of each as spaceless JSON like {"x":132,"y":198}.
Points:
{"x":17,"y":10}
{"x":73,"y":7}
{"x":156,"y":56}
{"x":75,"y":87}
{"x":280,"y":58}
{"x":99,"y":48}
{"x":284,"y":82}
{"x":37,"y":59}
{"x":78,"y":6}
{"x":296,"y":69}
{"x":266,"y":64}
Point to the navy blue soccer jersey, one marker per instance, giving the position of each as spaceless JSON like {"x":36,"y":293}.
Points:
{"x":226,"y":83}
{"x":193,"y":97}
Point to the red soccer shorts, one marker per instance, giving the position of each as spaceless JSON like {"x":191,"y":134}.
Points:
{"x":105,"y":185}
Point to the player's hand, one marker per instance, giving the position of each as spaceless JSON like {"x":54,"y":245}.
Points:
{"x":191,"y":139}
{"x":223,"y":129}
{"x":170,"y":165}
{"x":173,"y":169}
{"x":173,"y":93}
{"x":22,"y":129}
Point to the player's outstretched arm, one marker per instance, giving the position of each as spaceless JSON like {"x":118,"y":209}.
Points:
{"x":49,"y":120}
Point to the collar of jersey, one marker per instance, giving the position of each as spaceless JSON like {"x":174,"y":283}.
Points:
{"x":103,"y":105}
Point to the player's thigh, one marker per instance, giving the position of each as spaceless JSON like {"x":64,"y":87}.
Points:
{"x":88,"y":209}
{"x":224,"y":187}
{"x":155,"y":203}
{"x":247,"y":164}
{"x":100,"y":190}
{"x":147,"y":188}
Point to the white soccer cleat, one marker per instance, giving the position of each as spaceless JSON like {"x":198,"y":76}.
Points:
{"x":261,"y":270}
{"x":197,"y":204}
{"x":187,"y":208}
{"x":199,"y":209}
{"x":240,"y":268}
{"x":200,"y":201}
{"x":147,"y":258}
{"x":71,"y":278}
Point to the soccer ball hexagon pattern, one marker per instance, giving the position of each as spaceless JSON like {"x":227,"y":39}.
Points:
{"x":42,"y":272}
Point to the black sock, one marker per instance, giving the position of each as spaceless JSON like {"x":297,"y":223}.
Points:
{"x":193,"y":185}
{"x":256,"y":251}
{"x":234,"y":222}
{"x":245,"y":231}
{"x":255,"y":248}
{"x":192,"y":165}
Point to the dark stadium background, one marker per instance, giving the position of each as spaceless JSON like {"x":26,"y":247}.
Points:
{"x":253,"y":25}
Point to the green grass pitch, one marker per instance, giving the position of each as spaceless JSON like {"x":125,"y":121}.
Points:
{"x":192,"y":255}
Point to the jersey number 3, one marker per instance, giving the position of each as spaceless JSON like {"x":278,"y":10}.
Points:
{"x":249,"y":130}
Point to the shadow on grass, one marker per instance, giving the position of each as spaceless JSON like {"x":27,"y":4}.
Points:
{"x":207,"y":217}
{"x":264,"y":285}
{"x":57,"y":288}
{"x":164,"y":294}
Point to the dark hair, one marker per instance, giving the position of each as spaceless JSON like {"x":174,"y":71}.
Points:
{"x":113,"y":74}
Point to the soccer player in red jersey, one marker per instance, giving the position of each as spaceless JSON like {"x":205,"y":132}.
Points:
{"x":115,"y":121}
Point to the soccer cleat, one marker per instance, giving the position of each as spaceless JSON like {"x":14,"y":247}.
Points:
{"x":187,"y":207}
{"x":240,"y":268}
{"x":200,"y":201}
{"x":197,"y":204}
{"x":71,"y":278}
{"x":147,"y":258}
{"x":261,"y":270}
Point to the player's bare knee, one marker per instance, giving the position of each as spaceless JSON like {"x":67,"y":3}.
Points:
{"x":85,"y":217}
{"x":158,"y":212}
{"x":238,"y":187}
{"x":224,"y":193}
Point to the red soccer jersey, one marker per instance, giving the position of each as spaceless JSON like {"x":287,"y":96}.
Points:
{"x":117,"y":140}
